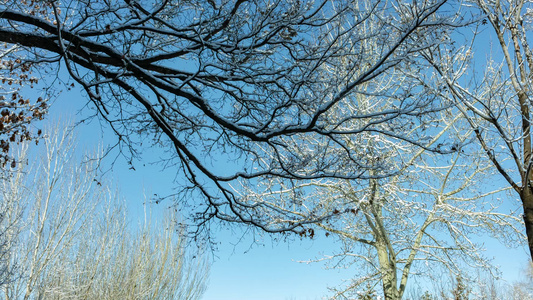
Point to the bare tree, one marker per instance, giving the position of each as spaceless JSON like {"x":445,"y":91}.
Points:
{"x":74,"y":241}
{"x":482,"y":285}
{"x":419,"y":223}
{"x":116,"y":263}
{"x":11,"y":210}
{"x":239,"y":85}
{"x":16,"y":114}
{"x":495,"y":96}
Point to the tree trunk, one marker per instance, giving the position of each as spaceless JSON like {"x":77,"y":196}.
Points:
{"x":388,"y":274}
{"x":527,"y":202}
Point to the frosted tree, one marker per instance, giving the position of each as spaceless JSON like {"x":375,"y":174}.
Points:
{"x":17,"y":124}
{"x":73,"y":240}
{"x":421,"y":222}
{"x":494,"y":95}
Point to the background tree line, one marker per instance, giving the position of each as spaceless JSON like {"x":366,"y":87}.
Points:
{"x":65,"y":235}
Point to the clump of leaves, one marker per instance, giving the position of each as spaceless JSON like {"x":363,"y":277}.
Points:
{"x":16,"y":111}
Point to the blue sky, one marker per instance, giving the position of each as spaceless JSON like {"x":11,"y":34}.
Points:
{"x":244,"y":267}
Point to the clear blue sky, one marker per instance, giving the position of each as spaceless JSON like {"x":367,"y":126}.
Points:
{"x":244,"y":269}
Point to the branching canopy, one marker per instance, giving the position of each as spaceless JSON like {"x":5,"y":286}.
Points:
{"x":244,"y":90}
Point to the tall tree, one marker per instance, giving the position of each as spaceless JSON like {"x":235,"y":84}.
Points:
{"x":494,"y":96}
{"x":421,"y":222}
{"x":238,"y":85}
{"x":11,"y":213}
{"x":17,"y":116}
